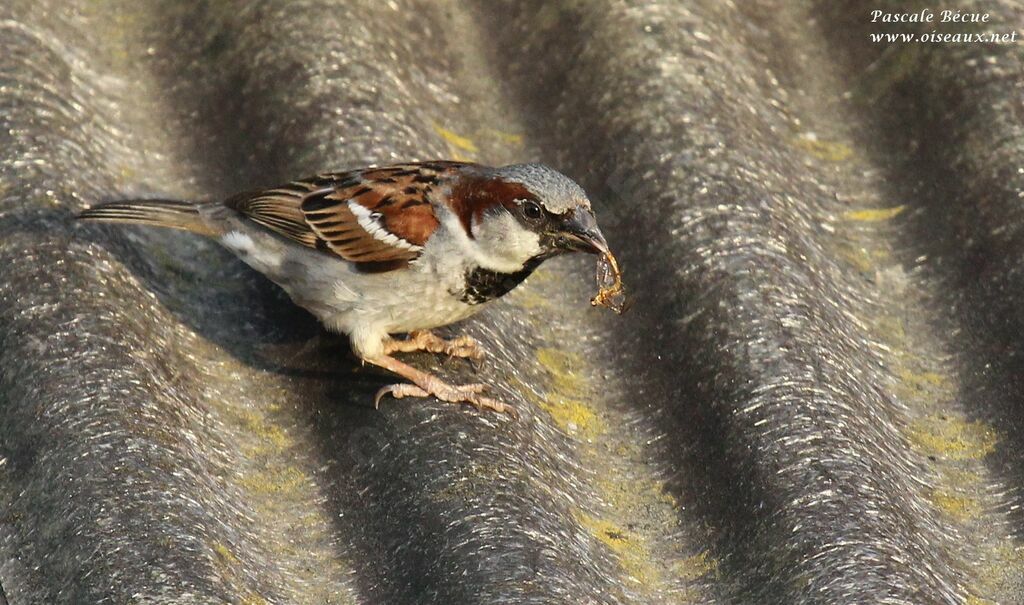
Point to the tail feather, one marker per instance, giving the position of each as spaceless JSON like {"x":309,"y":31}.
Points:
{"x":172,"y":214}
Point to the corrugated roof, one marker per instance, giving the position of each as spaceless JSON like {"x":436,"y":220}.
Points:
{"x":815,"y":398}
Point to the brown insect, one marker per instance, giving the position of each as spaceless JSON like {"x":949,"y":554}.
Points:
{"x":611,"y":293}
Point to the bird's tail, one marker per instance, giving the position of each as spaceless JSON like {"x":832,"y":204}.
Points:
{"x":172,"y":214}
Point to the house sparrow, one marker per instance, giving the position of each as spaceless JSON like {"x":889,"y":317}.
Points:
{"x":396,"y":249}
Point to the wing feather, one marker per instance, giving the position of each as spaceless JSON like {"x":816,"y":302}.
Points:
{"x":379,"y":217}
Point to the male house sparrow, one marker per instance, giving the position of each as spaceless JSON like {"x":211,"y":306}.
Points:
{"x":396,"y":249}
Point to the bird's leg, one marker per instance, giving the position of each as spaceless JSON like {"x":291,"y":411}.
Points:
{"x":425,"y":385}
{"x":425,"y":340}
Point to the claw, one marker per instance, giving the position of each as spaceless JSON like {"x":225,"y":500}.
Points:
{"x":426,"y":385}
{"x":468,"y":393}
{"x":398,"y":391}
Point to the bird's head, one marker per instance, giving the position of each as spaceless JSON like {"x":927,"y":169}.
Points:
{"x":527,"y":212}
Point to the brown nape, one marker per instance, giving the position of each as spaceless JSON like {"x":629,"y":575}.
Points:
{"x":473,"y":195}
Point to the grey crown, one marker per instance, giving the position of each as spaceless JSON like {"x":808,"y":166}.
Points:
{"x":556,"y":191}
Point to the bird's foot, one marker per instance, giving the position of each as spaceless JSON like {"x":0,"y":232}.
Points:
{"x":425,"y":340}
{"x":467,"y":393}
{"x":427,"y":385}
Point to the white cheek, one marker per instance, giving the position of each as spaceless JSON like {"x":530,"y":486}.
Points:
{"x":498,"y":241}
{"x":522,"y":244}
{"x":515,"y":242}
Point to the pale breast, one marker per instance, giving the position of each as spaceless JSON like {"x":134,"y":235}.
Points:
{"x":433,"y":291}
{"x":424,"y":302}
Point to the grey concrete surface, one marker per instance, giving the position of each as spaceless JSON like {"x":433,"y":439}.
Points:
{"x":814,"y":399}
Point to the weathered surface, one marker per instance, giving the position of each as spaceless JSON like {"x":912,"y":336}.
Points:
{"x":815,"y":399}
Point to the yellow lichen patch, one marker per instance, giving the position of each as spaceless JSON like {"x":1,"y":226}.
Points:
{"x":695,"y":567}
{"x":952,"y":438}
{"x":563,"y":367}
{"x":959,"y":477}
{"x":973,"y":600}
{"x":227,"y":564}
{"x":632,"y":552}
{"x":274,"y":480}
{"x":955,"y":505}
{"x":861,"y":258}
{"x":925,"y":381}
{"x":566,"y":392}
{"x":456,"y":141}
{"x":922,"y":387}
{"x":861,"y":262}
{"x":224,"y":554}
{"x":873,"y":215}
{"x":829,"y":151}
{"x":574,"y":417}
{"x":890,"y":329}
{"x":270,"y":438}
{"x":571,"y":416}
{"x":637,"y":494}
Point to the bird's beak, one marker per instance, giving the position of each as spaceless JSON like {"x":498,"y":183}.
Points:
{"x":578,"y":232}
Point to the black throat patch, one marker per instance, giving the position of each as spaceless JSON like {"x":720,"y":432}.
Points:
{"x":484,"y":285}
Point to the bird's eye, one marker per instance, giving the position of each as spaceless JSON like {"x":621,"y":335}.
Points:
{"x":531,"y":210}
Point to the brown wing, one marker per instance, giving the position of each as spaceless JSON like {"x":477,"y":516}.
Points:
{"x":376,"y":215}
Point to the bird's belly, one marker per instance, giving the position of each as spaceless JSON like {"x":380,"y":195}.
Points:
{"x":345,"y":299}
{"x":389,"y":302}
{"x":428,"y":304}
